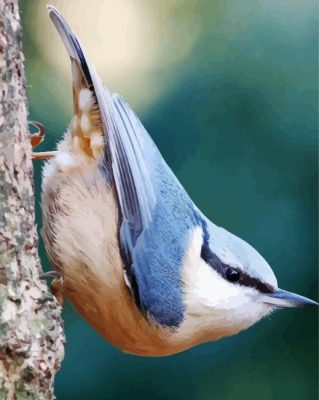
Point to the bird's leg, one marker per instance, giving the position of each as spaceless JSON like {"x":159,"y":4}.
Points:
{"x":56,"y":284}
{"x":37,"y":138}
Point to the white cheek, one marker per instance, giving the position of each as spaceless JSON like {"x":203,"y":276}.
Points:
{"x":203,"y":286}
{"x":206,"y":285}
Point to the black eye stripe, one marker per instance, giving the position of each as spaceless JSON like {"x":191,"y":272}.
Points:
{"x":215,"y":262}
{"x":247,"y":280}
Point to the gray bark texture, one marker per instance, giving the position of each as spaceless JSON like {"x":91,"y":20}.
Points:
{"x":31,"y":330}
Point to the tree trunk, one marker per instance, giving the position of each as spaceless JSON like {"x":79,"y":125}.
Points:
{"x":31,"y":331}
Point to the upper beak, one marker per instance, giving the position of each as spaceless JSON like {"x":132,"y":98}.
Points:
{"x":282,"y":299}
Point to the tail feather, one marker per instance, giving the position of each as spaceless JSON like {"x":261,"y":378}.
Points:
{"x":86,"y":128}
{"x":71,"y":42}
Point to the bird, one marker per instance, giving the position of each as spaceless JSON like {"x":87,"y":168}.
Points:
{"x":138,"y":259}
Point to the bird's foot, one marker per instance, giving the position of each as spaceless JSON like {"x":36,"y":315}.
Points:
{"x":36,"y":139}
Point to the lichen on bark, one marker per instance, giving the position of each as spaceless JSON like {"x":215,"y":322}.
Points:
{"x":31,"y":330}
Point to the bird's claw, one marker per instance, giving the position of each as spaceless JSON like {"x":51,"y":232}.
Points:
{"x":36,"y":139}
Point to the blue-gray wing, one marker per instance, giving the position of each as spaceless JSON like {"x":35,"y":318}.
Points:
{"x":127,"y":146}
{"x":157,"y":214}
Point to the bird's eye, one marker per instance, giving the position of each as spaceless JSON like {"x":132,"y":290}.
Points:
{"x":232,"y":274}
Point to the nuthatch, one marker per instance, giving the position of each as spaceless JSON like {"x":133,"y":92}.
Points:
{"x":140,"y":262}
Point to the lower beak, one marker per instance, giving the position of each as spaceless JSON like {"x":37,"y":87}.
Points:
{"x":282,"y":299}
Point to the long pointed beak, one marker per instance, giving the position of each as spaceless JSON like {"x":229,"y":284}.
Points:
{"x":282,"y":299}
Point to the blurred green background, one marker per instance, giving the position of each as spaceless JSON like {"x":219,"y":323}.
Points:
{"x":228,"y":91}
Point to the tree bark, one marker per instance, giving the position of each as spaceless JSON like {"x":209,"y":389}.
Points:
{"x":31,"y":330}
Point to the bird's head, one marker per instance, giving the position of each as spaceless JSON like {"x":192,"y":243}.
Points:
{"x":228,"y":285}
